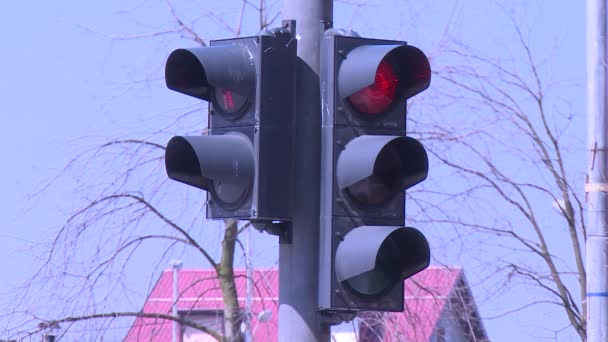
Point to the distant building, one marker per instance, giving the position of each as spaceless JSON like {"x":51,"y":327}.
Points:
{"x":439,"y":307}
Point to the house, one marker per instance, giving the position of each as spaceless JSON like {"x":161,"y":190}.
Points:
{"x":439,"y":307}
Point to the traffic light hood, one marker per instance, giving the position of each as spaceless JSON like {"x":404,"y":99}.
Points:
{"x":358,"y":70}
{"x":373,"y":168}
{"x":372,"y":259}
{"x":222,"y":164}
{"x":199,"y":72}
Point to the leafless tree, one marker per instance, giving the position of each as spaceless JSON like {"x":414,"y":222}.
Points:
{"x":509,"y":118}
{"x":506,"y":159}
{"x":126,"y":214}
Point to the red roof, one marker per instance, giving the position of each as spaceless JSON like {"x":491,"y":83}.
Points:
{"x":426,"y":295}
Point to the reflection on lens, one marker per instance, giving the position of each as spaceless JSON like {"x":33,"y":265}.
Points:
{"x":369,"y":191}
{"x":372,"y":283}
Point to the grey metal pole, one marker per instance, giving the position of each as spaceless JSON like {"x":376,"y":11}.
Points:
{"x":249,"y":271}
{"x":176,"y":265}
{"x":597,"y":184}
{"x":299,"y":319}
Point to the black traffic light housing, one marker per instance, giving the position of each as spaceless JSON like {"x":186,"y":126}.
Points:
{"x":367,"y":164}
{"x":244,"y":161}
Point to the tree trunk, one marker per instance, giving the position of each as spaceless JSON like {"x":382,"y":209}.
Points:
{"x":232,"y":313}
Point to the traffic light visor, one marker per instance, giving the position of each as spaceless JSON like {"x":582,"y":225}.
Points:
{"x":372,"y":169}
{"x":221,"y":164}
{"x":371,"y":260}
{"x":373,"y":78}
{"x":185,"y":74}
{"x":223,"y":75}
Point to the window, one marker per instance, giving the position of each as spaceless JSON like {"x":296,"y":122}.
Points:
{"x":212,"y":319}
{"x":440,"y":335}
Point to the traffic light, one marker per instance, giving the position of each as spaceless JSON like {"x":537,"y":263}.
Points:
{"x":243,"y":162}
{"x":367,"y":164}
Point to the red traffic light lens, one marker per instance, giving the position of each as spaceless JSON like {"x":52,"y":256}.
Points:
{"x":229,"y":101}
{"x":377,"y":97}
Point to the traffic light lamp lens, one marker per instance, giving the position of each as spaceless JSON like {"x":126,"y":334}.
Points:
{"x":230,"y":102}
{"x":230,"y":195}
{"x":227,"y":100}
{"x":380,"y":95}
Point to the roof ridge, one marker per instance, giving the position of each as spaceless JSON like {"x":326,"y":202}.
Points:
{"x":426,"y":296}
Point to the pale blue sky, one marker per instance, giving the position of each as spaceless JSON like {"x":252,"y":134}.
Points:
{"x":70,"y":80}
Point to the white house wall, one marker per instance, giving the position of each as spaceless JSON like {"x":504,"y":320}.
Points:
{"x":453,"y":332}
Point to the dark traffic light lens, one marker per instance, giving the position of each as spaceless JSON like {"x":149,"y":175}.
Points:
{"x":230,"y":195}
{"x":230,"y":102}
{"x":379,"y":96}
